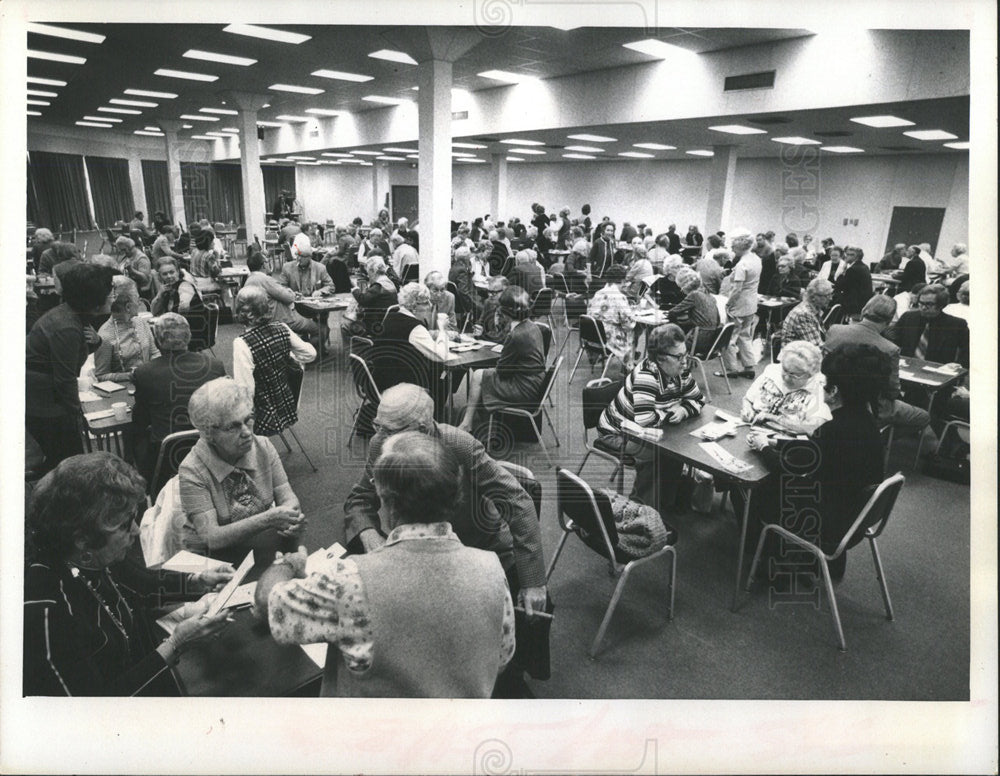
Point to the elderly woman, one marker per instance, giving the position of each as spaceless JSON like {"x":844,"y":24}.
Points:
{"x":519,"y":375}
{"x":56,"y":349}
{"x":405,"y":351}
{"x":178,"y":290}
{"x":375,"y":298}
{"x":375,"y":243}
{"x":460,"y":274}
{"x":697,"y":310}
{"x":205,"y":258}
{"x":785,"y":282}
{"x":88,"y":629}
{"x":136,"y":265}
{"x":126,"y":341}
{"x":612,"y":308}
{"x":233,"y":488}
{"x":640,"y":270}
{"x":261,"y":357}
{"x":789,"y":395}
{"x":442,"y":304}
{"x":960,"y":309}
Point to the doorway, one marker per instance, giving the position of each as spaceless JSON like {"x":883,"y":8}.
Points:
{"x":915,"y":225}
{"x":404,"y":203}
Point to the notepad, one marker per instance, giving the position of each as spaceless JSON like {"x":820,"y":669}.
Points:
{"x":724,"y":458}
{"x":226,"y":593}
{"x":98,"y":415}
{"x":714,"y":430}
{"x":187,"y":562}
{"x":108,"y":386}
{"x":497,"y":348}
{"x":86,"y":396}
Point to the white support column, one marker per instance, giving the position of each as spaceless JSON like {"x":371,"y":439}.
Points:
{"x":498,"y":190}
{"x":170,"y":128}
{"x":434,"y":78}
{"x":380,"y":189}
{"x":138,"y":186}
{"x":720,"y":189}
{"x":254,"y":206}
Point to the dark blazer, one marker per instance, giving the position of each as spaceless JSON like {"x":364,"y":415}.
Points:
{"x":853,"y":288}
{"x":915,"y":271}
{"x":527,"y":276}
{"x":947,"y":337}
{"x":163,"y":388}
{"x":866,"y":333}
{"x":602,"y":253}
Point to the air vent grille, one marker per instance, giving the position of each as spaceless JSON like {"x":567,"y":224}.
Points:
{"x":735,"y":83}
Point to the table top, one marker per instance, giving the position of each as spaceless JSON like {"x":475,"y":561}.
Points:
{"x":928,"y":373}
{"x":481,"y":358}
{"x":325,"y":303}
{"x":881,"y":277}
{"x":233,"y":272}
{"x":678,"y":443}
{"x":650,"y":317}
{"x":775,"y":301}
{"x":104,"y":402}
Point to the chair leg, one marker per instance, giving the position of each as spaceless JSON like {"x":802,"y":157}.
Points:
{"x":725,"y":374}
{"x":538,"y":435}
{"x":489,"y":435}
{"x":555,"y":557}
{"x":288,"y":447}
{"x":920,"y":446}
{"x":756,"y":557}
{"x":584,"y":463}
{"x":548,"y":420}
{"x":704,"y":379}
{"x":880,"y":574}
{"x":833,"y":603}
{"x":673,"y":581}
{"x":616,"y":596}
{"x":578,"y":357}
{"x":299,"y":443}
{"x":607,"y":363}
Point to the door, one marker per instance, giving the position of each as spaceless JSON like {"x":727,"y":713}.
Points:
{"x":404,"y":203}
{"x":915,"y":225}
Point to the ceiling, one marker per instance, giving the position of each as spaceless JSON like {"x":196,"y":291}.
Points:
{"x":130,"y":54}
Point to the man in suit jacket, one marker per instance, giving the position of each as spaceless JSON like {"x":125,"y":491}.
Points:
{"x":442,"y":301}
{"x":302,"y":274}
{"x":602,"y":252}
{"x":854,"y":286}
{"x":876,"y":316}
{"x":914,"y":270}
{"x":947,"y":340}
{"x":283,"y":296}
{"x":164,"y":386}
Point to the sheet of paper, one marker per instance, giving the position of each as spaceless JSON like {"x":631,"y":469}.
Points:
{"x":943,"y":370}
{"x":170,"y":621}
{"x":99,"y":415}
{"x":714,"y":430}
{"x":913,"y":378}
{"x":497,"y":348}
{"x":188,"y":562}
{"x":242,"y":596}
{"x":725,"y":459}
{"x":86,"y":396}
{"x":317,"y":558}
{"x":230,"y":588}
{"x":109,"y":387}
{"x":316,"y":653}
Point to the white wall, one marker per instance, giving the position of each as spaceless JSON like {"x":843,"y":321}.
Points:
{"x":341,"y":192}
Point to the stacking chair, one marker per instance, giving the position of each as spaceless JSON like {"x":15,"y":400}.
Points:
{"x":411,"y":274}
{"x":534,"y":412}
{"x":592,"y":341}
{"x":872,"y":520}
{"x":833,"y":316}
{"x":887,"y":434}
{"x":546,"y":331}
{"x":240,"y":241}
{"x":541,"y":305}
{"x":204,"y":327}
{"x":715,"y":350}
{"x":597,"y":395}
{"x":389,"y":309}
{"x":526,"y":479}
{"x":588,"y":515}
{"x":367,"y":391}
{"x":295,"y":375}
{"x":173,"y":450}
{"x":774,"y":342}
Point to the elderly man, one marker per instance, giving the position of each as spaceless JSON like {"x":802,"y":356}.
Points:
{"x":527,"y":273}
{"x":805,"y":321}
{"x":442,"y":301}
{"x":419,"y":616}
{"x":403,"y":255}
{"x":741,"y":308}
{"x":409,"y":235}
{"x":491,"y":325}
{"x":499,"y":253}
{"x":931,"y":334}
{"x":893,"y":260}
{"x":302,"y":274}
{"x":373,"y":242}
{"x":163,"y":387}
{"x":876,"y":316}
{"x":853,"y":285}
{"x":283,"y":296}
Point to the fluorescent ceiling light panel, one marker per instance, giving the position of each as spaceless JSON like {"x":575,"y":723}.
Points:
{"x":301,"y":158}
{"x":203,"y":137}
{"x":593,"y":138}
{"x":413,"y":156}
{"x":394,"y":56}
{"x":530,"y":151}
{"x":93,"y":124}
{"x":842,"y":149}
{"x":123,"y":111}
{"x":339,"y":75}
{"x":467,"y":145}
{"x":39,"y":102}
{"x":45,"y":81}
{"x":217,"y":134}
{"x":512,"y":141}
{"x":637,"y":155}
{"x":152,"y":129}
{"x":585,"y":149}
{"x":51,"y":56}
{"x":148,"y":133}
{"x":700,"y":152}
{"x":186,"y":75}
{"x":738,"y":129}
{"x":880,"y":122}
{"x":230,"y":130}
{"x":226,"y":59}
{"x":795,"y":140}
{"x":295,"y":89}
{"x":961,"y":146}
{"x":390,"y":158}
{"x":473,"y":161}
{"x":40,"y":93}
{"x":654,"y":146}
{"x":187,"y":126}
{"x":269,"y":124}
{"x":220,"y":111}
{"x":654,"y":48}
{"x":287,"y":117}
{"x":64,"y":32}
{"x":394,"y":150}
{"x":136,"y":103}
{"x":367,"y":153}
{"x":514,"y":159}
{"x":506,"y":76}
{"x":103,"y":118}
{"x":144,"y":93}
{"x":196,"y":117}
{"x":336,"y":154}
{"x":266,"y":33}
{"x":578,"y":156}
{"x":931,"y":134}
{"x":384,"y":100}
{"x":326,"y":112}
{"x":462,"y":154}
{"x":34,"y":113}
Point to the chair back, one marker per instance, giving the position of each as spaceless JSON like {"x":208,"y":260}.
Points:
{"x":364,"y":383}
{"x":526,"y":479}
{"x":558,"y":283}
{"x":589,"y":513}
{"x":720,"y":343}
{"x":411,"y":274}
{"x":875,"y":513}
{"x":390,"y":309}
{"x":173,"y":450}
{"x":542,"y":303}
{"x":241,"y":234}
{"x":294,"y":373}
{"x":550,"y":379}
{"x":204,"y":326}
{"x":592,"y":334}
{"x":546,"y":337}
{"x":834,"y":316}
{"x":361,"y":345}
{"x":597,"y":395}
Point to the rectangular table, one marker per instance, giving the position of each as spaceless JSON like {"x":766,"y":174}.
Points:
{"x":320,"y":307}
{"x":109,"y":432}
{"x":928,"y":375}
{"x":772,"y":306}
{"x":458,"y":363}
{"x":678,"y":443}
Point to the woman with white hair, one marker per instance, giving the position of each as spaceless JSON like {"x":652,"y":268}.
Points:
{"x":697,"y":310}
{"x":789,"y":395}
{"x":136,"y":265}
{"x":126,"y":340}
{"x":640,"y":270}
{"x":261,"y":357}
{"x":376,"y":298}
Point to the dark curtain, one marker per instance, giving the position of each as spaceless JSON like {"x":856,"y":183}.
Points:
{"x":157,"y":186}
{"x":212,"y":191}
{"x":276,"y":179}
{"x":33,"y":216}
{"x":111,"y":189}
{"x":60,"y":191}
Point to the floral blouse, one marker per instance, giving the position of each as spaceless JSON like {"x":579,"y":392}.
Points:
{"x":612,"y":308}
{"x":803,"y":410}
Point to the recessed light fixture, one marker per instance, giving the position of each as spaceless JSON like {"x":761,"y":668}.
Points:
{"x":654,"y":48}
{"x":393,"y":56}
{"x":738,"y":129}
{"x":230,"y":130}
{"x":467,"y":145}
{"x":187,"y":126}
{"x":384,"y":100}
{"x":44,"y":81}
{"x":654,"y":146}
{"x":301,"y":158}
{"x":842,"y":149}
{"x":226,"y":59}
{"x":40,"y":93}
{"x":220,"y":111}
{"x":287,"y":117}
{"x":637,"y":155}
{"x":326,"y":112}
{"x":342,"y":76}
{"x":390,"y":158}
{"x":136,"y":103}
{"x":152,"y":129}
{"x":512,"y":141}
{"x":394,"y":150}
{"x":196,"y":117}
{"x":931,"y":134}
{"x":266,"y":33}
{"x":336,"y":154}
{"x":700,"y":152}
{"x":881,"y":122}
{"x":94,"y":124}
{"x":506,"y":76}
{"x":529,"y":151}
{"x":63,"y":32}
{"x":592,"y":138}
{"x":148,"y":133}
{"x":217,"y":134}
{"x":123,"y":111}
{"x":269,"y":124}
{"x":34,"y":113}
{"x":514,"y":159}
{"x":103,"y":118}
{"x":585,"y":149}
{"x":295,"y":89}
{"x":578,"y":156}
{"x":795,"y":140}
{"x":144,"y":93}
{"x":961,"y":146}
{"x":51,"y":56}
{"x":413,"y":156}
{"x":367,"y":153}
{"x":184,"y":74}
{"x":472,"y":160}
{"x":203,"y":137}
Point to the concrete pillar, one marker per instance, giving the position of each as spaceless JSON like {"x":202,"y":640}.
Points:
{"x":254,"y":206}
{"x":170,"y":128}
{"x":720,"y":189}
{"x":138,"y":187}
{"x":434,"y":79}
{"x":498,"y":188}
{"x":380,"y":189}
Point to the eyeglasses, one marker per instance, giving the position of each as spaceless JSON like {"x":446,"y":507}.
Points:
{"x":680,"y":358}
{"x":237,"y":425}
{"x":789,"y":375}
{"x":927,"y":305}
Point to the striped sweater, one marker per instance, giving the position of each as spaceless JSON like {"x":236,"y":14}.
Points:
{"x":648,"y":397}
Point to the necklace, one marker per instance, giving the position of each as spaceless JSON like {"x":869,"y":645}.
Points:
{"x":97,"y":597}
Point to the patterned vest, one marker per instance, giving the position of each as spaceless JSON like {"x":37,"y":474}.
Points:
{"x":274,"y":403}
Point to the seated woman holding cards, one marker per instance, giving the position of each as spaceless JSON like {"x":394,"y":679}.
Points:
{"x":788,"y":396}
{"x":87,"y":624}
{"x":234,"y":490}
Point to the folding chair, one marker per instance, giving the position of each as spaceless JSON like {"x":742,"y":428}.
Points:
{"x":541,"y":305}
{"x":295,"y":375}
{"x":597,"y":395}
{"x":592,"y":341}
{"x":717,"y":348}
{"x":872,"y":520}
{"x":173,"y":450}
{"x":834,"y":316}
{"x":535,"y":411}
{"x":366,"y":389}
{"x":588,"y":515}
{"x":526,"y":479}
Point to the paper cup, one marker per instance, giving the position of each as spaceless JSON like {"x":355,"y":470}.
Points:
{"x":120,"y":409}
{"x":84,"y":384}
